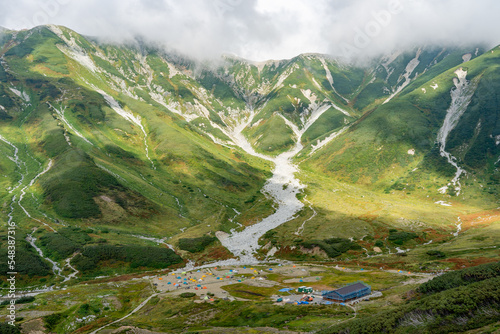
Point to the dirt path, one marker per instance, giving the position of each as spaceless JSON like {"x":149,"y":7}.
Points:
{"x":141,"y":305}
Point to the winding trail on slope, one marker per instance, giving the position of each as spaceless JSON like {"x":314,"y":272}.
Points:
{"x":283,"y":187}
{"x":141,"y":305}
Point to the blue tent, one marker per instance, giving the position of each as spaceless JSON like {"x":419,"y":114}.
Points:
{"x":169,"y":283}
{"x":285,"y":289}
{"x":328,"y":303}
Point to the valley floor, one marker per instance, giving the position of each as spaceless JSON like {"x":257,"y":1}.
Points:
{"x":219,"y":300}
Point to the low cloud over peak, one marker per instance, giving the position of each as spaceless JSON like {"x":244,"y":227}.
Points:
{"x":269,"y":29}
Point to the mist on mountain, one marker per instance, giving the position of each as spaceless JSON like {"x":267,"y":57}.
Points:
{"x":262,"y":30}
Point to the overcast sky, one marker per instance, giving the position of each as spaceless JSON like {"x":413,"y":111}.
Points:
{"x":269,"y":29}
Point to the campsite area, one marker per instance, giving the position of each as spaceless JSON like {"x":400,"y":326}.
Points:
{"x":200,"y":300}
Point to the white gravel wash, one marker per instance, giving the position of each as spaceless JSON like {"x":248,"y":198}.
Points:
{"x":461,"y":96}
{"x":282,"y":187}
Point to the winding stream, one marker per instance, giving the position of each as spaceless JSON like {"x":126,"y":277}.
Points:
{"x":17,"y":161}
{"x":55,"y":267}
{"x":461,"y":96}
{"x":18,"y":200}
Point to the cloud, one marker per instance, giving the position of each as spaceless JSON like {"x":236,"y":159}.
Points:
{"x":269,"y":29}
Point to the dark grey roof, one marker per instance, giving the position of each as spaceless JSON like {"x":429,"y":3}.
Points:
{"x":350,"y":288}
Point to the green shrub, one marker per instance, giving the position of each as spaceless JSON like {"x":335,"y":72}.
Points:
{"x":195,"y":245}
{"x":65,"y":242}
{"x":333,"y":247}
{"x":401,"y":237}
{"x":136,"y":256}
{"x":72,"y":184}
{"x":25,"y":300}
{"x":51,"y":321}
{"x":461,"y":277}
{"x":27,"y":261}
{"x":5,"y":328}
{"x":435,"y":253}
{"x":187,"y":294}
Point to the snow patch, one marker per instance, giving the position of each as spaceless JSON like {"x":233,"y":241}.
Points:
{"x":435,"y":86}
{"x":172,"y":71}
{"x":443,"y":203}
{"x":260,"y":121}
{"x":466,"y":57}
{"x":23,"y":95}
{"x":424,"y":90}
{"x":129,"y":117}
{"x":459,"y":227}
{"x":341,"y":110}
{"x":309,"y":95}
{"x":73,"y":50}
{"x":60,"y":113}
{"x":410,"y":67}
{"x":285,"y":75}
{"x":111,"y":173}
{"x":387,"y":61}
{"x":320,"y":144}
{"x":330,"y":78}
{"x":443,"y":190}
{"x":399,"y":250}
{"x":411,"y":151}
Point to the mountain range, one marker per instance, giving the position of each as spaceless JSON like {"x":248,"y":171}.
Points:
{"x":234,"y":159}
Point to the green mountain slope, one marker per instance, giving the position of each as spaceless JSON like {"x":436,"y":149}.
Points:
{"x":138,"y":147}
